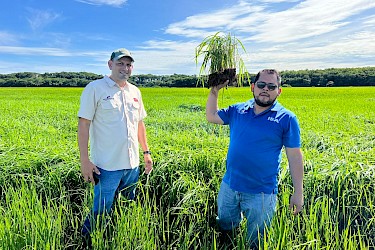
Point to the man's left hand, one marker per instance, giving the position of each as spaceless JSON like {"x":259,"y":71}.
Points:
{"x":148,"y":163}
{"x":296,"y":203}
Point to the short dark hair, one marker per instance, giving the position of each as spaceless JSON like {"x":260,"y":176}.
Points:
{"x":269,"y":71}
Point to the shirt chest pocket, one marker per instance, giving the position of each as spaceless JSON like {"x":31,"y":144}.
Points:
{"x":133,"y":108}
{"x":109,"y":111}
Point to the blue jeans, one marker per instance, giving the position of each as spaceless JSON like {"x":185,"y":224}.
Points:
{"x":110,"y":185}
{"x":257,"y":208}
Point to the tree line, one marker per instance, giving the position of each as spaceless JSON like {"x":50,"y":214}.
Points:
{"x":364,"y":76}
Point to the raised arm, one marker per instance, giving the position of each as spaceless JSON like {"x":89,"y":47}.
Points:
{"x":212,"y":106}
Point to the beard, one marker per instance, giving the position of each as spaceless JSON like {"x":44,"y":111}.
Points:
{"x":261,"y":103}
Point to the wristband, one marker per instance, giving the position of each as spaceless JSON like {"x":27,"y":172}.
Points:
{"x":146,"y":152}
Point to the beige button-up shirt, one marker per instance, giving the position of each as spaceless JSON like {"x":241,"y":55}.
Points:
{"x":114,"y":113}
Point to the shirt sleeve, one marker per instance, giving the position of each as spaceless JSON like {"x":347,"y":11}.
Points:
{"x":224,"y":115}
{"x":87,"y":103}
{"x":142,"y":111}
{"x":292,"y":137}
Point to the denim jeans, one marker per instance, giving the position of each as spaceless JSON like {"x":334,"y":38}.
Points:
{"x":257,"y":208}
{"x":110,"y":185}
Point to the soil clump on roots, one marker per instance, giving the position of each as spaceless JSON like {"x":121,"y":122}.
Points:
{"x":220,"y":77}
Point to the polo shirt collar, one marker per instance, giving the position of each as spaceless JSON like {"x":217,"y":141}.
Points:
{"x":112,"y":83}
{"x":109,"y":81}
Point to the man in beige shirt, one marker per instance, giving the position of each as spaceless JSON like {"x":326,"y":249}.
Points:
{"x":111,"y":118}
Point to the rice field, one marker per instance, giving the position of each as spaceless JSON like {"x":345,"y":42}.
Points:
{"x":43,"y":199}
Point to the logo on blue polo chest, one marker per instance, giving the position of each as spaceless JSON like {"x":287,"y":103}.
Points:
{"x":272,"y":119}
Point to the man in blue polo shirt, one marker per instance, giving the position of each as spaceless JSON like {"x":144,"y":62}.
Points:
{"x":259,"y":129}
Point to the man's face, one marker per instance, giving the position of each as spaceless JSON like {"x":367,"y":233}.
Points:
{"x":121,"y":68}
{"x":266,"y":89}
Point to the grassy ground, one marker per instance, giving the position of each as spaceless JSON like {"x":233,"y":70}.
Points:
{"x":44,"y":200}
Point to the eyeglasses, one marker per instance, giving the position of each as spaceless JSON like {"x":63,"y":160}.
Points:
{"x":270,"y":86}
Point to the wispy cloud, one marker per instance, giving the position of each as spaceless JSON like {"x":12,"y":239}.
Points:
{"x":165,"y":57}
{"x":228,"y":19}
{"x":7,"y":38}
{"x":278,"y":1}
{"x":369,"y":21}
{"x":309,"y":19}
{"x":38,"y":19}
{"x":357,"y":49}
{"x":308,"y":34}
{"x":114,"y":3}
{"x":54,"y":52}
{"x":259,"y":21}
{"x":359,"y":44}
{"x":34,"y":51}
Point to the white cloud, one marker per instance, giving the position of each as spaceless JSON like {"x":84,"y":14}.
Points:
{"x":356,"y":50}
{"x":360,"y":44}
{"x":278,"y":1}
{"x":202,"y":25}
{"x":310,"y":34}
{"x":7,"y":38}
{"x":309,"y":19}
{"x":261,"y":23}
{"x":34,"y":51}
{"x":165,"y":57}
{"x":369,"y":21}
{"x":40,"y":18}
{"x":115,"y":3}
{"x":9,"y":67}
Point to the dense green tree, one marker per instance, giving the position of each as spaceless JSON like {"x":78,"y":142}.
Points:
{"x":297,"y":78}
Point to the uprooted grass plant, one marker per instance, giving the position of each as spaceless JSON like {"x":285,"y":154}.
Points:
{"x":222,"y":59}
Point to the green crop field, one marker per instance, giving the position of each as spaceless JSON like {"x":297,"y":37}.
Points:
{"x":43,"y":199}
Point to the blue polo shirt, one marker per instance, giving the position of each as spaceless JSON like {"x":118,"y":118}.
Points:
{"x":256,"y":141}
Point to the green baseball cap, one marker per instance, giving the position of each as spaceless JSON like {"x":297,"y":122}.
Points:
{"x":117,"y":54}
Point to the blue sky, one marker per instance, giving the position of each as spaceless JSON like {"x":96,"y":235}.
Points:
{"x":79,"y":35}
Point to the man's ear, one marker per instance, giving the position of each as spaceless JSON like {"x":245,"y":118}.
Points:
{"x":110,"y":64}
{"x":280,"y":90}
{"x":252,"y":87}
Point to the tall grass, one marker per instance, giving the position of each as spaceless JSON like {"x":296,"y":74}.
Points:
{"x":44,"y":200}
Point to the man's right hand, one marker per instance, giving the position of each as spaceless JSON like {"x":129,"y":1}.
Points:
{"x":220,"y":86}
{"x":88,"y":169}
